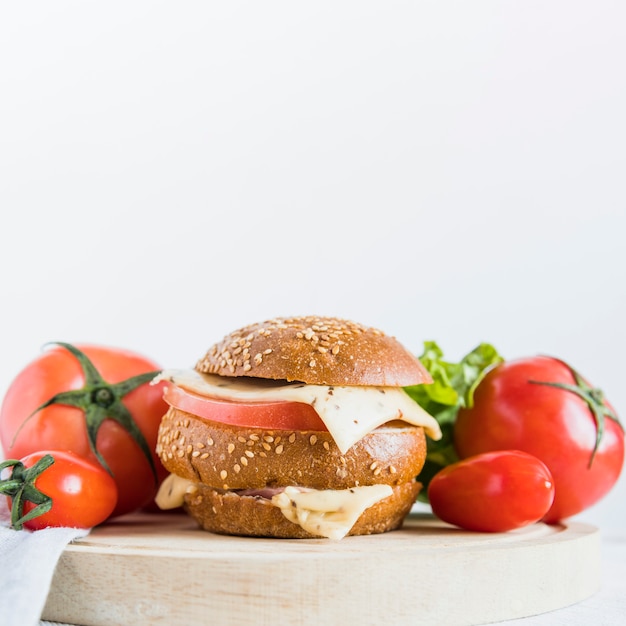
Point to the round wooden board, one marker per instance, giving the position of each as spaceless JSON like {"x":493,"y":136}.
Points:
{"x":161,"y":569}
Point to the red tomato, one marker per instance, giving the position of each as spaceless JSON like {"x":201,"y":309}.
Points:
{"x":83,"y":494}
{"x":97,"y":401}
{"x":534,"y":404}
{"x":492,"y":492}
{"x":271,"y":415}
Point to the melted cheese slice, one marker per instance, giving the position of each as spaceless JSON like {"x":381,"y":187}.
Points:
{"x":349,"y":413}
{"x":328,"y":513}
{"x":171,"y":493}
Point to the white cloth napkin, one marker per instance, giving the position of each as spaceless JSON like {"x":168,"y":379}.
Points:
{"x":27,"y":563}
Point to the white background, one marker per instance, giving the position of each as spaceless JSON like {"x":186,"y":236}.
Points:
{"x":443,"y":170}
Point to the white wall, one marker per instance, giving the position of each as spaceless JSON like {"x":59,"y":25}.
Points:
{"x":444,"y":170}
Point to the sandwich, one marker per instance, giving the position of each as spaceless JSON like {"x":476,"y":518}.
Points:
{"x":296,"y":427}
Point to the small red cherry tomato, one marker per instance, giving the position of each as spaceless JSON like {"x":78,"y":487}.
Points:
{"x":492,"y":492}
{"x":58,"y":488}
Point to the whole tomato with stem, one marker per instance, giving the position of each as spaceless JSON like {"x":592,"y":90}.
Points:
{"x":94,"y":401}
{"x":57,"y":488}
{"x":542,"y":406}
{"x":492,"y":492}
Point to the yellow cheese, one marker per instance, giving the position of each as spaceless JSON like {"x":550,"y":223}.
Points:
{"x":349,"y":413}
{"x":328,"y":513}
{"x":171,"y":493}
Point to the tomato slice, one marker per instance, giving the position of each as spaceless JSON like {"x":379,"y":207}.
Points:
{"x":280,"y":415}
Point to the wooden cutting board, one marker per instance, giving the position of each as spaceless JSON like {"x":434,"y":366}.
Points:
{"x":161,"y":569}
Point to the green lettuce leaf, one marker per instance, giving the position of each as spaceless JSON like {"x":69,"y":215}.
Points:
{"x":452,"y":389}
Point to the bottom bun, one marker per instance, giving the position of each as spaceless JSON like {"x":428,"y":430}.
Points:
{"x":228,"y":513}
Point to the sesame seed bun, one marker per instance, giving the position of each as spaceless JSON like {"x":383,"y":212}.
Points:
{"x":231,"y":457}
{"x":317,"y":351}
{"x":228,"y":513}
{"x":222,"y":459}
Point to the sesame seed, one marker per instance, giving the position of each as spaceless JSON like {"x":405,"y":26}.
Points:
{"x":263,"y":454}
{"x":210,"y":441}
{"x":377,"y":471}
{"x":241,"y":439}
{"x":312,"y":440}
{"x":204,"y":455}
{"x":200,"y":445}
{"x":267,"y":446}
{"x":392,"y":469}
{"x":292,"y":437}
{"x":223,"y":474}
{"x":326,"y":445}
{"x":195,"y":454}
{"x":189,"y":449}
{"x":374,"y":465}
{"x":312,"y":363}
{"x":237,"y":468}
{"x":231,"y":448}
{"x":268,"y":438}
{"x":279,"y":449}
{"x":244,"y":460}
{"x":254,"y":437}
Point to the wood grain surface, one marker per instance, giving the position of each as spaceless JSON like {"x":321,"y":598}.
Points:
{"x":161,"y":569}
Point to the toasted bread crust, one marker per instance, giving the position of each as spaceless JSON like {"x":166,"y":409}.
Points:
{"x":230,"y":457}
{"x":317,"y":351}
{"x":230,"y":514}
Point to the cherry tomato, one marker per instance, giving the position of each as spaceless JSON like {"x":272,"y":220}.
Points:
{"x":543,"y":407}
{"x":492,"y":492}
{"x":96,"y":402}
{"x":272,"y":415}
{"x":64,"y":490}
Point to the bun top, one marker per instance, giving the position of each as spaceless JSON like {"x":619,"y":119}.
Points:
{"x":317,"y":351}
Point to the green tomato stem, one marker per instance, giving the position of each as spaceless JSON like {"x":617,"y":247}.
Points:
{"x":20,"y":487}
{"x":593,"y":397}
